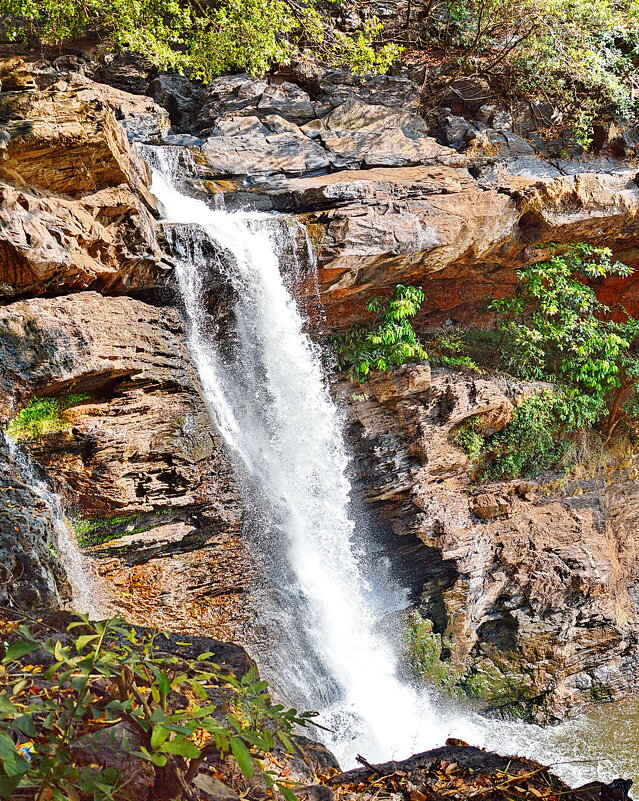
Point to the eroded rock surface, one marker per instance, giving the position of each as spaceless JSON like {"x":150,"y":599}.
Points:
{"x":147,"y":480}
{"x":30,"y":574}
{"x":529,"y":585}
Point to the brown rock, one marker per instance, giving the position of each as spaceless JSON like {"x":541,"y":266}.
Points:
{"x":536,"y":597}
{"x":106,"y":240}
{"x":137,"y":459}
{"x":59,"y":142}
{"x":488,"y":506}
{"x":75,"y":210}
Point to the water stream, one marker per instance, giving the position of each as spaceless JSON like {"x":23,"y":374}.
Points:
{"x":267,"y":395}
{"x":84,"y":586}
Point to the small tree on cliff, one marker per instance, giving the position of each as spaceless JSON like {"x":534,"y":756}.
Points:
{"x":555,"y":328}
{"x":390,"y":339}
{"x":202,"y":39}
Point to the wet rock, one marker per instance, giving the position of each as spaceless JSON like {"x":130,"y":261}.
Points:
{"x":31,"y":576}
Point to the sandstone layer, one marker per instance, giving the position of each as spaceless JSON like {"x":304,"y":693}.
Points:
{"x":75,"y":210}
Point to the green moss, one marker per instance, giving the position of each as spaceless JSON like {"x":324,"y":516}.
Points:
{"x":487,"y":683}
{"x":41,"y":416}
{"x":423,"y":652}
{"x":97,"y":530}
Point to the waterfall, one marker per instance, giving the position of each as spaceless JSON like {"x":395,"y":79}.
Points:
{"x":268,"y":397}
{"x":84,"y":586}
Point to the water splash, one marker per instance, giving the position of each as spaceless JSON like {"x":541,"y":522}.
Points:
{"x":267,"y":394}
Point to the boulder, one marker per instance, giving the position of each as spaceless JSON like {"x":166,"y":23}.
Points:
{"x":47,"y":135}
{"x":255,"y":153}
{"x":106,"y":240}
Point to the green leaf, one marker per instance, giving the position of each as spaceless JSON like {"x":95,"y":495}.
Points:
{"x":164,"y":684}
{"x":8,"y":784}
{"x":242,"y":756}
{"x":288,"y":794}
{"x":183,"y":748}
{"x":18,"y":650}
{"x":158,"y":736}
{"x":84,"y":640}
{"x":159,"y":760}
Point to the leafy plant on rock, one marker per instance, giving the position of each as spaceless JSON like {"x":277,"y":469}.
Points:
{"x":555,"y":328}
{"x":112,"y":680}
{"x":389,"y":340}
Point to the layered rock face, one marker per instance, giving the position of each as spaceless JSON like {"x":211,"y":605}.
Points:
{"x":529,"y":585}
{"x":75,"y":211}
{"x":132,"y":452}
{"x":453,"y":204}
{"x":135,"y":458}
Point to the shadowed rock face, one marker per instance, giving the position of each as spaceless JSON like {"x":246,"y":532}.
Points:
{"x":30,"y":575}
{"x":530,"y":583}
{"x":136,"y":458}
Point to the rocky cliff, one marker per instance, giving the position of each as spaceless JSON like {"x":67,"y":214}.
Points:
{"x":528,"y":588}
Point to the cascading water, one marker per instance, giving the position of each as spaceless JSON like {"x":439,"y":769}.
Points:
{"x":84,"y":587}
{"x":268,"y":397}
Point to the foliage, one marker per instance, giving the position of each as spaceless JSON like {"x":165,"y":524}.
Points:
{"x":448,"y":349}
{"x":81,"y":686}
{"x":554,"y":329}
{"x":202,"y":40}
{"x":41,"y":416}
{"x":578,"y":54}
{"x":469,"y":438}
{"x":537,"y":438}
{"x":389,"y":340}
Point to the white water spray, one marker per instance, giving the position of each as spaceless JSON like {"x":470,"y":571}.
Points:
{"x":84,"y":587}
{"x":268,"y":397}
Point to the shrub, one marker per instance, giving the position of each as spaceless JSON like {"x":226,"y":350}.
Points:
{"x":555,"y":329}
{"x":577,"y":54}
{"x":389,"y":340}
{"x":201,"y":39}
{"x":85,"y":684}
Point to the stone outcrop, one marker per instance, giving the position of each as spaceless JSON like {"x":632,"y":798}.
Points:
{"x":528,"y":585}
{"x":146,"y":480}
{"x":76,"y":212}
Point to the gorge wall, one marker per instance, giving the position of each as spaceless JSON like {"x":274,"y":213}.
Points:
{"x":529,"y":587}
